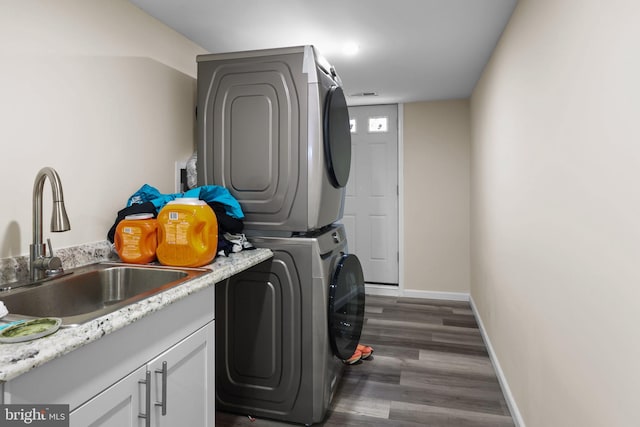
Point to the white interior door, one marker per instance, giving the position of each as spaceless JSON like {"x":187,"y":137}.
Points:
{"x":371,"y":204}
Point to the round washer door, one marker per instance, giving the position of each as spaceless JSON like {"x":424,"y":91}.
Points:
{"x":346,"y":306}
{"x":337,"y":137}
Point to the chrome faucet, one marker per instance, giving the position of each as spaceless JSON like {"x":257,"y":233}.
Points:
{"x":42,"y":265}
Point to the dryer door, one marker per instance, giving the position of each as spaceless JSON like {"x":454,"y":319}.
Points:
{"x":337,"y":137}
{"x":346,"y":306}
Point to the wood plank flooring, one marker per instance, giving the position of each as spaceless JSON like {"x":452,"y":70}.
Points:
{"x":430,"y":368}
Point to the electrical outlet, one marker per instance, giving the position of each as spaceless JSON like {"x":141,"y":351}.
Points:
{"x":178,"y":184}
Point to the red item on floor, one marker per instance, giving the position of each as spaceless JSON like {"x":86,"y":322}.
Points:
{"x":354,"y":358}
{"x":365,"y":350}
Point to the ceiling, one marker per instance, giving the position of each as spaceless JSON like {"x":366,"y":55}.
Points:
{"x":408,"y":50}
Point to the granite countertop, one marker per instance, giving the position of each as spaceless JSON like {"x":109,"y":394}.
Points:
{"x":17,"y":359}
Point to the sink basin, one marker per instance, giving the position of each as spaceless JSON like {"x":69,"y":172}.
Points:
{"x":90,"y":292}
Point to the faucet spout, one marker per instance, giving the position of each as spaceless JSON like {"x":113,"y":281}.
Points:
{"x":40,"y":263}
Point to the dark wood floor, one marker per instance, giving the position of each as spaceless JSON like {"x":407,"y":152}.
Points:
{"x":430,"y":368}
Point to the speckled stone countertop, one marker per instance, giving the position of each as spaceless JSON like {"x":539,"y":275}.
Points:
{"x":17,"y":268}
{"x":17,"y":359}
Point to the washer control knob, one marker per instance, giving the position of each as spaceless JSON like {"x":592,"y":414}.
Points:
{"x":336,"y":237}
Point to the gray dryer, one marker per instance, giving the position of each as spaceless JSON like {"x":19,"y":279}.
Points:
{"x":273,"y":128}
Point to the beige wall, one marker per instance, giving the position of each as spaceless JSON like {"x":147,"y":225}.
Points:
{"x":556,"y":210}
{"x":98,"y":90}
{"x":436,"y":138}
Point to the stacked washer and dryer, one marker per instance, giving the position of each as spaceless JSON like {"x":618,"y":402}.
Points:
{"x":273,"y":128}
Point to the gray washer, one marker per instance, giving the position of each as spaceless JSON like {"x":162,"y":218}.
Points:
{"x":274,"y":348}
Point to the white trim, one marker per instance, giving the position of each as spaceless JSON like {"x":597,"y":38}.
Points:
{"x":452,"y":296}
{"x":401,"y":197}
{"x":504,"y":384}
{"x":383,"y":290}
{"x":395,"y":291}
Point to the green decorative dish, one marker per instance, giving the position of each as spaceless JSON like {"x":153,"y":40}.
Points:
{"x":30,"y":330}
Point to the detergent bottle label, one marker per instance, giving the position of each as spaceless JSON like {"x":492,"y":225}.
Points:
{"x":177,"y":229}
{"x":131,"y":241}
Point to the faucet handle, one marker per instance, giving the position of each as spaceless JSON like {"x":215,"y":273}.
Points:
{"x":53,"y":264}
{"x":49,"y":247}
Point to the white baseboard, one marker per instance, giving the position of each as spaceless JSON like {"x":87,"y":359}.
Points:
{"x":451,"y":296}
{"x":383,"y":290}
{"x":395,"y":291}
{"x":511,"y":403}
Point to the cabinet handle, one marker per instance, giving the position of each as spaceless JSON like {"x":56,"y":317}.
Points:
{"x":163,"y":402}
{"x":147,"y":403}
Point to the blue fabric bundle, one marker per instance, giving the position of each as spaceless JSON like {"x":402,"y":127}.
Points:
{"x":208,"y":193}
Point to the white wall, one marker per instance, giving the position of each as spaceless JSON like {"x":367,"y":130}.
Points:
{"x":437,"y":149}
{"x":98,"y":90}
{"x":556,"y":210}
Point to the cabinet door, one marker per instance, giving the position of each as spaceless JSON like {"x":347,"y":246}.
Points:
{"x":117,"y":406}
{"x":186,"y":394}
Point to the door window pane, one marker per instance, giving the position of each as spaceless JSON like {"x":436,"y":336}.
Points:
{"x":378,"y":124}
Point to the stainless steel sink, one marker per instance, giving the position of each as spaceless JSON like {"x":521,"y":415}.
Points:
{"x":93,"y":291}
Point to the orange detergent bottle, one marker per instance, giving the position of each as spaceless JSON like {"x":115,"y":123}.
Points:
{"x":187,"y":233}
{"x":136,"y":239}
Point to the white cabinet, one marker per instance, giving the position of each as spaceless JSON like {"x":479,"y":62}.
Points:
{"x":175,"y":388}
{"x":117,"y":406}
{"x":183,"y":382}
